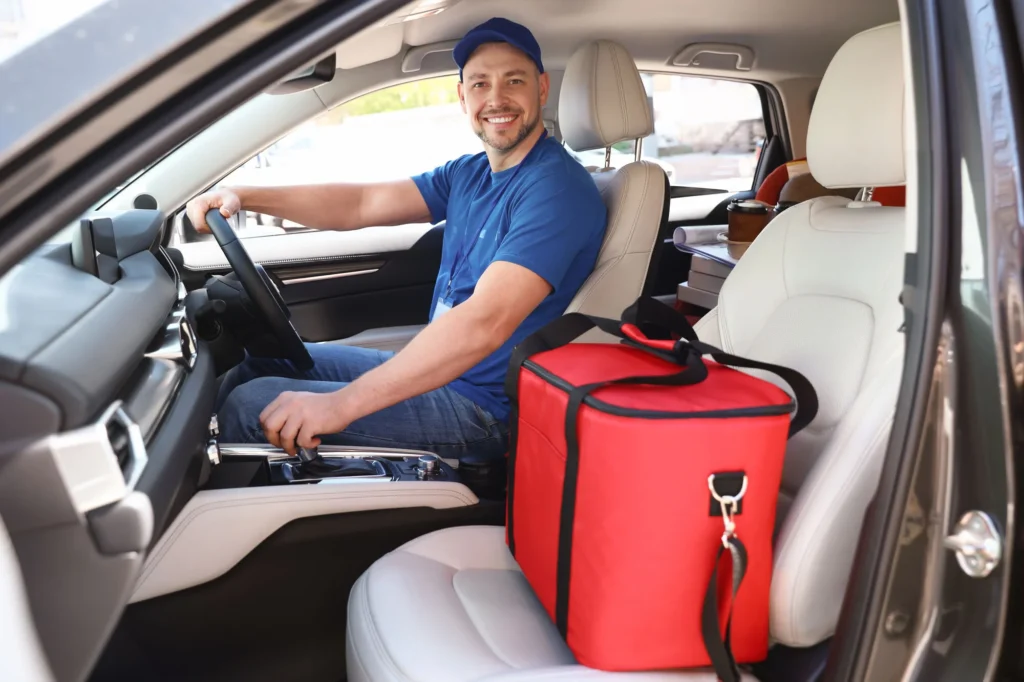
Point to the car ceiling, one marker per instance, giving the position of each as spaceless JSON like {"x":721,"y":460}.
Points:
{"x":790,"y":38}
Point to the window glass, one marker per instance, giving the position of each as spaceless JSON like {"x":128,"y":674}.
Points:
{"x":707,"y":132}
{"x":25,"y":22}
{"x":393,"y":133}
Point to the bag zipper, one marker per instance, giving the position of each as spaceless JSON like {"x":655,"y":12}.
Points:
{"x":615,"y":410}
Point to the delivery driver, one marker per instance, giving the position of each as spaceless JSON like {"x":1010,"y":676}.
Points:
{"x":525,"y":222}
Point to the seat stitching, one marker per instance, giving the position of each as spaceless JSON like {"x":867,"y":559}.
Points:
{"x":875,"y":441}
{"x":476,"y":626}
{"x":723,"y":327}
{"x":646,"y":180}
{"x":620,"y":90}
{"x":376,"y":639}
{"x":620,"y":209}
{"x":785,"y":247}
{"x":584,"y":294}
{"x":813,"y":492}
{"x":597,"y":280}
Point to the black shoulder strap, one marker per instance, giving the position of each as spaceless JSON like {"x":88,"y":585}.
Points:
{"x":718,"y":648}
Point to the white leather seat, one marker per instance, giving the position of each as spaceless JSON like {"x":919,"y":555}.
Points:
{"x":818,"y":291}
{"x":602,"y":102}
{"x":21,"y":650}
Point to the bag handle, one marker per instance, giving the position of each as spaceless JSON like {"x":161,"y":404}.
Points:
{"x":569,"y":327}
{"x":653,"y":311}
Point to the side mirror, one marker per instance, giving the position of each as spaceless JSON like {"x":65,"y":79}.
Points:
{"x":311,"y":77}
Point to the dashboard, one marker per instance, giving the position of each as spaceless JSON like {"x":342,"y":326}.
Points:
{"x":107,"y":397}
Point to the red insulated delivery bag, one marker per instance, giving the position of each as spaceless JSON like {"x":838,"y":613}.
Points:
{"x":642,"y":488}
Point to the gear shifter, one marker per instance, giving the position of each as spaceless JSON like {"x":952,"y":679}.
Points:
{"x":307,"y":455}
{"x":312,"y":466}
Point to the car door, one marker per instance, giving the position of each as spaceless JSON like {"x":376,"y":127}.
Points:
{"x":338,"y":284}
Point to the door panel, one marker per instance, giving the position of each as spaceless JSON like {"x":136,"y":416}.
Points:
{"x":337,"y":284}
{"x":394,"y":289}
{"x":302,"y":247}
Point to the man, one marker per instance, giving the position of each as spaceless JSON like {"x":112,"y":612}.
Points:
{"x":524,"y":225}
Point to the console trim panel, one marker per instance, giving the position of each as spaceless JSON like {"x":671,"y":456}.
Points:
{"x":218,"y":528}
{"x":273,"y":453}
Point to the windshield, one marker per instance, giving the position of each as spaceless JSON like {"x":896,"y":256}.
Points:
{"x":24,"y":22}
{"x":76,"y":50}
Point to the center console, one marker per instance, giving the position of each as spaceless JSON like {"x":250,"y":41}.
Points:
{"x":253,"y":491}
{"x":255,"y":465}
{"x":328,"y":465}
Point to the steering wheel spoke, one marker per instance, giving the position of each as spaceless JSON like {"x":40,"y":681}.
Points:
{"x":262,"y":290}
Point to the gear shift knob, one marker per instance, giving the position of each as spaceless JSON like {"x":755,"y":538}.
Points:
{"x":307,"y":454}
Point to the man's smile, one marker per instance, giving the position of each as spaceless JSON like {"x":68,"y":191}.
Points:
{"x":501,"y":121}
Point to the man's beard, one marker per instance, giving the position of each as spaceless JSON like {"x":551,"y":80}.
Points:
{"x":505,"y":145}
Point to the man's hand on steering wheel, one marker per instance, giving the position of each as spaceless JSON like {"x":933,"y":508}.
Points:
{"x":259,"y":286}
{"x":226,"y":200}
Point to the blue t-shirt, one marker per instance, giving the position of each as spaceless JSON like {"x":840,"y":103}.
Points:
{"x":545,"y":214}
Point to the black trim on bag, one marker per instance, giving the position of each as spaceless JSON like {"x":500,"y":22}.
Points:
{"x":513,"y":438}
{"x":567,"y":515}
{"x":616,"y":410}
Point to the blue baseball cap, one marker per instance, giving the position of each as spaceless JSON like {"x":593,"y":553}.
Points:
{"x":497,"y":30}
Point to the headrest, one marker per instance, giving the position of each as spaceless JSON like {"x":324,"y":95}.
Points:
{"x":602,"y":100}
{"x":855,"y":135}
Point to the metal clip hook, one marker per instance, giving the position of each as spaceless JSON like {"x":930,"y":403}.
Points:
{"x":729,"y":505}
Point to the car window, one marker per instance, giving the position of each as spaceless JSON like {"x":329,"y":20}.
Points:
{"x":396,"y":132}
{"x":707,"y":132}
{"x":26,"y":22}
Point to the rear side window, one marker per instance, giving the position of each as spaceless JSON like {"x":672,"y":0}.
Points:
{"x":707,"y":132}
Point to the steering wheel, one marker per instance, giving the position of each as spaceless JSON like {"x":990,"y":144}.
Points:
{"x":262,"y":291}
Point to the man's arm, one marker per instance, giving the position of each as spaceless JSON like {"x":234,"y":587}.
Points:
{"x":339,"y":206}
{"x":449,"y":346}
{"x":455,"y":342}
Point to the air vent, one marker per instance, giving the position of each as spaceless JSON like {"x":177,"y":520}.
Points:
{"x":126,"y":443}
{"x":99,"y":463}
{"x":120,"y":443}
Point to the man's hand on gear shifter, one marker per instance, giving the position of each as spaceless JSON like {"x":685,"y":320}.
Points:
{"x":226,"y":200}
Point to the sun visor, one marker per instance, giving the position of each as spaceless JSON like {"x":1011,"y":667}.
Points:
{"x":420,"y":9}
{"x":372,"y":45}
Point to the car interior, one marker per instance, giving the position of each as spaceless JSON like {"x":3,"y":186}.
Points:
{"x":143,"y":546}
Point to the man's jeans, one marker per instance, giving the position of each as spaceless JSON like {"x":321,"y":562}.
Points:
{"x":441,"y":421}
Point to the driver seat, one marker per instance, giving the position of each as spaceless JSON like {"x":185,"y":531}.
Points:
{"x":602,"y":102}
{"x":817,"y":291}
